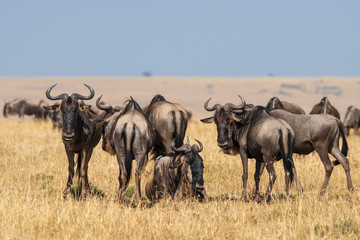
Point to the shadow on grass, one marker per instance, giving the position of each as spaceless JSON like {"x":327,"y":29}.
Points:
{"x":94,"y":191}
{"x":259,"y":198}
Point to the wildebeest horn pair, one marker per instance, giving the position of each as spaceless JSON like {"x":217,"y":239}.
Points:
{"x":186,"y":147}
{"x":227,"y":106}
{"x":74,"y":96}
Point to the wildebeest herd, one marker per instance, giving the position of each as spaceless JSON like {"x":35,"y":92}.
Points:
{"x":268,"y":134}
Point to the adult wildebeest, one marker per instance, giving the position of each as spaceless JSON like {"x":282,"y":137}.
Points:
{"x":169,"y":121}
{"x":178,"y":175}
{"x":129,"y":135}
{"x":254,"y":133}
{"x":352,"y":119}
{"x":275,"y":103}
{"x":79,"y":134}
{"x":23,"y":107}
{"x":319,"y":132}
{"x":325,"y":107}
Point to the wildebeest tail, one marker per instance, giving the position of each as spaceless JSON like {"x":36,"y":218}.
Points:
{"x":344,"y":148}
{"x":286,"y":150}
{"x":128,"y":138}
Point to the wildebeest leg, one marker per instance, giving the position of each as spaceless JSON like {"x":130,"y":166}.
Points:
{"x":298,"y":183}
{"x":356,"y":129}
{"x":244,"y":159}
{"x":78,"y":167}
{"x":260,"y":172}
{"x":272,"y":177}
{"x":85,"y":158}
{"x":140,"y":164}
{"x":323,"y":153}
{"x":124,"y":174}
{"x":70,"y":156}
{"x":259,"y":164}
{"x":335,"y":151}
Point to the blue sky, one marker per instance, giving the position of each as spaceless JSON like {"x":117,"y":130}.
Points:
{"x":180,"y":38}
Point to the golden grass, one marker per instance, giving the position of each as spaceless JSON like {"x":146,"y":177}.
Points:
{"x":33,"y":172}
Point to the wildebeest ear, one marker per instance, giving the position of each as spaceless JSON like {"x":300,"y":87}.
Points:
{"x":84,"y":107}
{"x":207,"y":120}
{"x":177,"y":162}
{"x":53,"y":108}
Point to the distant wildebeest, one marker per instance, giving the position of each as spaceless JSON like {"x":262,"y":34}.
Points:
{"x":129,"y":135}
{"x":352,"y":119}
{"x":319,"y":132}
{"x":79,"y":135}
{"x":178,"y":175}
{"x":254,"y":133}
{"x":56,"y":118}
{"x":169,"y":121}
{"x":275,"y":103}
{"x":325,"y":107}
{"x":23,"y":107}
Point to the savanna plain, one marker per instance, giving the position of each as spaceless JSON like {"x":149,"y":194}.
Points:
{"x":33,"y":173}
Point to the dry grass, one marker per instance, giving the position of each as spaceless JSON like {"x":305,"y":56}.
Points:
{"x":33,"y":172}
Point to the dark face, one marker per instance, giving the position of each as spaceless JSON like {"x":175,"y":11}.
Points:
{"x":70,"y":115}
{"x":195,"y":170}
{"x":223,"y":121}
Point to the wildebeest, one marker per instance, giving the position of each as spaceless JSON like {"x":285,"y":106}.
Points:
{"x":319,"y":132}
{"x":79,"y":135}
{"x":254,"y":133}
{"x":275,"y":103}
{"x":23,"y":107}
{"x":325,"y":107}
{"x":178,"y":175}
{"x":352,"y":119}
{"x":129,"y":135}
{"x":169,"y":121}
{"x":56,"y":118}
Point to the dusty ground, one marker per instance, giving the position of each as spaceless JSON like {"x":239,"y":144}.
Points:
{"x":192,"y":92}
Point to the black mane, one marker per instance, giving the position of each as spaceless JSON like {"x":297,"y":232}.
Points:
{"x":157,"y":98}
{"x":131,"y":104}
{"x":257,"y":113}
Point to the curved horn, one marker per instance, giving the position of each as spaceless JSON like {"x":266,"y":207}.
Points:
{"x":215,"y":107}
{"x":242,"y":100}
{"x":184,"y":148}
{"x":60,"y":97}
{"x":105,"y":108}
{"x":76,"y":96}
{"x":230,"y":106}
{"x":200,"y":148}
